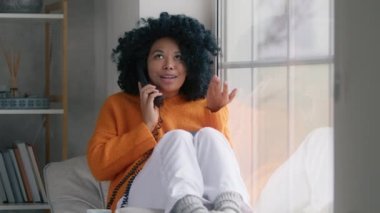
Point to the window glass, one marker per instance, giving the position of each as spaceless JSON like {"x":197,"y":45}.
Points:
{"x":270,"y":29}
{"x":275,"y":110}
{"x":276,"y":29}
{"x":310,"y":28}
{"x":238,"y":30}
{"x":279,"y":55}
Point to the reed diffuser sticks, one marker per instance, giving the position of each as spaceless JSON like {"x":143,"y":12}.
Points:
{"x":13,"y":62}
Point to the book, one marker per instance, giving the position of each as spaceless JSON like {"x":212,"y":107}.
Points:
{"x":28,"y":190}
{"x":3,"y":196}
{"x":37,"y":174}
{"x":6,"y":181}
{"x":12,"y":177}
{"x":26,"y":160}
{"x":18,"y":174}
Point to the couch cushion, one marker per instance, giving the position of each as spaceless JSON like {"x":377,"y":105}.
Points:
{"x":71,"y":187}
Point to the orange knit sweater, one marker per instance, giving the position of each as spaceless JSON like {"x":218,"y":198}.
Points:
{"x":121,"y":137}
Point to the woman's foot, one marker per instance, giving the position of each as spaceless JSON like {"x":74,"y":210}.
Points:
{"x":228,"y":202}
{"x":189,"y":204}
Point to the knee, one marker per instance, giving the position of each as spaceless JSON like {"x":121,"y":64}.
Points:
{"x":212,"y":135}
{"x":174,"y":136}
{"x":175,"y":141}
{"x":178,"y":134}
{"x":209,"y":132}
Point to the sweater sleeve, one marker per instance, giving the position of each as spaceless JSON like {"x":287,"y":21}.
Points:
{"x":111,"y":151}
{"x":219,"y":120}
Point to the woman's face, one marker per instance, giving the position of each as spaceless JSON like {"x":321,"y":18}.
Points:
{"x":166,"y":69}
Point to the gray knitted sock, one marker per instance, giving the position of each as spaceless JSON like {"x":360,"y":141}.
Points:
{"x":228,"y":202}
{"x":189,"y":204}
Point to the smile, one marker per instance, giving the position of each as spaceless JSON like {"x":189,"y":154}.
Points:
{"x":168,"y":77}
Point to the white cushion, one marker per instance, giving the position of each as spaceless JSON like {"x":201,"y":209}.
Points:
{"x":71,"y":187}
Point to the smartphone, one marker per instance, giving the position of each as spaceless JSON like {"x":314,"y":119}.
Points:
{"x":159,"y":100}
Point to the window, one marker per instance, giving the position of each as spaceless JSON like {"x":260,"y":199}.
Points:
{"x":279,"y":54}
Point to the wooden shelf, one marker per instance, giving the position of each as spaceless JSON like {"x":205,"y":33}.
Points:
{"x":24,"y":206}
{"x":31,"y":111}
{"x":31,"y":16}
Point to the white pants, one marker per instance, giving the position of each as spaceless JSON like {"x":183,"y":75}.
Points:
{"x":203,"y":165}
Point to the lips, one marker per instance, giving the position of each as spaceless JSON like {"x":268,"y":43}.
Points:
{"x":168,"y":77}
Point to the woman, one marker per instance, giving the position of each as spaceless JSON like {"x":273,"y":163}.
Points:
{"x":176,"y":156}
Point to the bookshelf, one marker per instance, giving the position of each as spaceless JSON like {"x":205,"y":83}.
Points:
{"x":31,"y":17}
{"x":32,"y":111}
{"x":25,"y":206}
{"x":54,"y":12}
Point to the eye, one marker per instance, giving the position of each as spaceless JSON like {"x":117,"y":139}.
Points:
{"x":178,"y":57}
{"x":158,"y":56}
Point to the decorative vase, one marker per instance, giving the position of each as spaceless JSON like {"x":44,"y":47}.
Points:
{"x":21,"y":6}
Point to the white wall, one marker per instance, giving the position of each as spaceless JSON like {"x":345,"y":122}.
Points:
{"x":100,"y":53}
{"x":112,"y":19}
{"x":357,"y":144}
{"x":121,"y":16}
{"x":81,"y":79}
{"x":94,"y":27}
{"x":199,"y":9}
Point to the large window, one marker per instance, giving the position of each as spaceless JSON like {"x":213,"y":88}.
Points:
{"x":279,"y":54}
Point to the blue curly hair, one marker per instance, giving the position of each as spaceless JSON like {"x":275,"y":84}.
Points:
{"x":197,"y":45}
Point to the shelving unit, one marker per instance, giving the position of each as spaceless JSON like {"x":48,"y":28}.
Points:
{"x":31,"y":17}
{"x":32,"y":111}
{"x":54,"y":12}
{"x":25,"y":206}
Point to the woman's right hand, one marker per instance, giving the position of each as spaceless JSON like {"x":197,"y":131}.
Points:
{"x":149,"y":112}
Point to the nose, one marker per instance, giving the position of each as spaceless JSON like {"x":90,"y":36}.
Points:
{"x":169,"y":64}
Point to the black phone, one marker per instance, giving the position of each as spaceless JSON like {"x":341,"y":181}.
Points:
{"x":141,"y":74}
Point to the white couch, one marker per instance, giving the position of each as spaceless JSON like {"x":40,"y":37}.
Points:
{"x":71,"y":188}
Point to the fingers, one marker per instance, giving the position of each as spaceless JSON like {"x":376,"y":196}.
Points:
{"x":148,"y":93}
{"x":225,"y":94}
{"x":218,"y":90}
{"x":152,"y":96}
{"x":218,"y":94}
{"x":147,"y":90}
{"x":139,"y":85}
{"x":225,"y":89}
{"x":232,"y":95}
{"x":214,"y":85}
{"x":216,"y":79}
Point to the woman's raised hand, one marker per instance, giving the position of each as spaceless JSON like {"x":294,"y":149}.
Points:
{"x":217,"y":95}
{"x":149,"y":112}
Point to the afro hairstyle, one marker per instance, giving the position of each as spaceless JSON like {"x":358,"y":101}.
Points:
{"x":197,"y":45}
